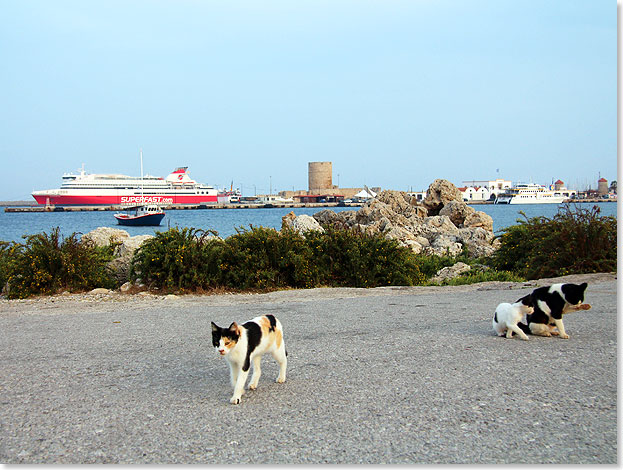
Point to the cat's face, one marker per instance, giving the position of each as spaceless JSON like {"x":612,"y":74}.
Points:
{"x":527,"y":304}
{"x":225,"y":339}
{"x":574,"y":294}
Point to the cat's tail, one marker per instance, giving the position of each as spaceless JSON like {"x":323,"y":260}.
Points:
{"x":525,"y":328}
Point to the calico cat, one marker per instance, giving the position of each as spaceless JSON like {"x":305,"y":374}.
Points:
{"x":550,"y":304}
{"x":508,"y":316}
{"x":244,"y":345}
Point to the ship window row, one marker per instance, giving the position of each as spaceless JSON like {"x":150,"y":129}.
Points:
{"x":100,"y":186}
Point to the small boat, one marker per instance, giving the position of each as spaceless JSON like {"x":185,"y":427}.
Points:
{"x":141,"y":215}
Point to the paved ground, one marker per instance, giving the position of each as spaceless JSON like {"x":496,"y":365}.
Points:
{"x":402,"y":375}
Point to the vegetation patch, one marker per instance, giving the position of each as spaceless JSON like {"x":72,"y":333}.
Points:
{"x":574,"y":241}
{"x":259,"y":259}
{"x":49,"y":264}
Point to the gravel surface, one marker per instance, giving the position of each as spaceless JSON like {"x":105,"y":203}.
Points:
{"x":389,"y":375}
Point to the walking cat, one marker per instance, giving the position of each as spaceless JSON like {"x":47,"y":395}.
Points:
{"x":551,"y":303}
{"x":507,"y":317}
{"x":244,"y":345}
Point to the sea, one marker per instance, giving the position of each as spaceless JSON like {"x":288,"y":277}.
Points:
{"x":15,"y":225}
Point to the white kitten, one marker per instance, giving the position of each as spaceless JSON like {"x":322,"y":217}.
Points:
{"x":507,"y":317}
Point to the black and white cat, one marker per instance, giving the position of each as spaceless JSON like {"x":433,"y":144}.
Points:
{"x":551,"y":303}
{"x":507,"y":317}
{"x":244,"y":345}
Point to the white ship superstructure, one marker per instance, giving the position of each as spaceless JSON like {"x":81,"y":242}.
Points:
{"x":531,"y":193}
{"x":111,"y":189}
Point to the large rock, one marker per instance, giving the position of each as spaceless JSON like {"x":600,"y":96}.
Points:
{"x":439,"y":193}
{"x":457,"y":211}
{"x":444,"y":245}
{"x":120,"y":265}
{"x":124,"y":251}
{"x":400,"y":202}
{"x":340,"y":220}
{"x":450,"y":272}
{"x":479,"y":242}
{"x":104,"y":236}
{"x":479,"y":219}
{"x":301,"y":224}
{"x":442,"y":225}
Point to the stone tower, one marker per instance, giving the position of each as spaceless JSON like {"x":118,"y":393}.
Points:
{"x":320,"y":176}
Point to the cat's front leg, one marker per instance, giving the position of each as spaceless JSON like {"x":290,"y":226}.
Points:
{"x":561,"y":329}
{"x":257,"y":372}
{"x":239,"y":387}
{"x":518,"y":331}
{"x":234,"y":370}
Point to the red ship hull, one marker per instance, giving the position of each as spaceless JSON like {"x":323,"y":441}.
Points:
{"x":86,"y":200}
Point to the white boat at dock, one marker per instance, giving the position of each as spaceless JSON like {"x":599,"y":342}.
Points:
{"x":531,"y":193}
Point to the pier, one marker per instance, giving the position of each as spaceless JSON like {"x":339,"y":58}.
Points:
{"x":293,"y":205}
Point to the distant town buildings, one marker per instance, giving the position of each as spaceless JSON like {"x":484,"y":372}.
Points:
{"x":320,"y":187}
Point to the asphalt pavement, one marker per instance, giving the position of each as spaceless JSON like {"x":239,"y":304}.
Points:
{"x":394,"y":375}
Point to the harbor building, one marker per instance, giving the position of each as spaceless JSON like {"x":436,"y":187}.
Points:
{"x":320,"y":187}
{"x":484,"y":190}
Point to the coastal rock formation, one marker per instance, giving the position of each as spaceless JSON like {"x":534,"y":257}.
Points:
{"x":127,"y":245}
{"x":301,"y":224}
{"x":450,"y":272}
{"x":442,"y":225}
{"x":104,"y":236}
{"x":440,"y":193}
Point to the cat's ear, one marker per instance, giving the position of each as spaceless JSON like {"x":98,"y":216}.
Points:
{"x":214,"y":327}
{"x":233,"y":327}
{"x":583,"y":286}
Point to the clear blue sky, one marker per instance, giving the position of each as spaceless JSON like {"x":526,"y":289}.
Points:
{"x":396,"y":93}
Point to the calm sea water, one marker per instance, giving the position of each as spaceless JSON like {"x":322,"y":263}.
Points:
{"x":225,"y":221}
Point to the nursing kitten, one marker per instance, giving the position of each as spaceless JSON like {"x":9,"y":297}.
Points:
{"x":507,"y":317}
{"x":244,"y":345}
{"x":551,"y":303}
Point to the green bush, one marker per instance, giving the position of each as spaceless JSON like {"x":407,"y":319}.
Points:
{"x":475,"y":275}
{"x":264,"y":258}
{"x":179,"y":259}
{"x":575,"y":240}
{"x":47,"y":264}
{"x":354,"y":259}
{"x":5,"y":256}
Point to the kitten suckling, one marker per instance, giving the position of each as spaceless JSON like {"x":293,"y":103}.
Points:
{"x":551,"y":303}
{"x":243,"y":345}
{"x":507,"y":317}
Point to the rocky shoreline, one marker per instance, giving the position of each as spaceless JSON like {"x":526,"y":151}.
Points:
{"x":441,"y":224}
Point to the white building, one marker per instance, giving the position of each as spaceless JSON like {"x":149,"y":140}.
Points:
{"x":483,"y":190}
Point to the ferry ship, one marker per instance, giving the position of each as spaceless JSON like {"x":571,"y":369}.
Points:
{"x":530,"y":193}
{"x":112,"y":189}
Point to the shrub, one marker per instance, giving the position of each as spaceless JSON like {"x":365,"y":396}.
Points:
{"x":575,"y":240}
{"x":263,"y":258}
{"x":354,"y":259}
{"x":46,"y":264}
{"x":179,"y":259}
{"x":5,"y":256}
{"x":475,"y":276}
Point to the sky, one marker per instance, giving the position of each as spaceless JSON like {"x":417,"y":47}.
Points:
{"x":395,"y":93}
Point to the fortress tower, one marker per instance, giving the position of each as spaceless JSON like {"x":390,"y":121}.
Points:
{"x":320,"y":176}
